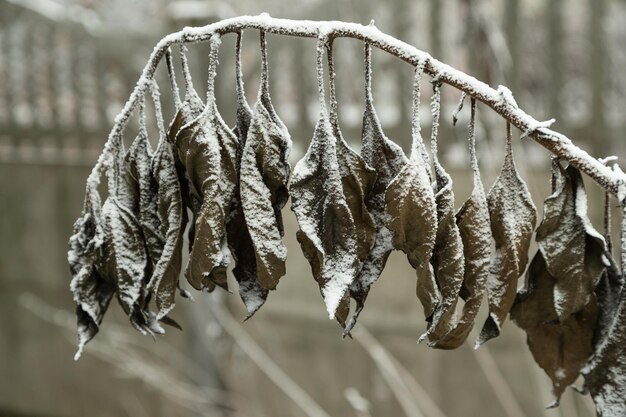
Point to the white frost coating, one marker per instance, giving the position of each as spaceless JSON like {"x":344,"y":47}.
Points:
{"x":536,"y":126}
{"x":581,"y":212}
{"x":621,"y":190}
{"x":507,"y":96}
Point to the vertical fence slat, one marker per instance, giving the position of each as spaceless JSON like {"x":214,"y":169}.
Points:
{"x":512,"y":28}
{"x":555,"y":56}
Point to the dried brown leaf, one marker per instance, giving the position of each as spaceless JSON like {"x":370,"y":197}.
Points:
{"x":605,"y":374}
{"x":264,"y":174}
{"x":447,"y":258}
{"x":513,"y":218}
{"x":473,"y":223}
{"x":239,"y":239}
{"x":172,"y":221}
{"x":413,"y":212}
{"x":387,"y":159}
{"x":571,"y":247}
{"x":561,"y":348}
{"x":327,"y":232}
{"x":91,"y":292}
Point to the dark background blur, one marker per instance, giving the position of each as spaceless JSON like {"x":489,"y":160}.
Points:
{"x":67,"y":67}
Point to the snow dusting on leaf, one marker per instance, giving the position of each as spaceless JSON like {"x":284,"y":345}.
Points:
{"x":91,"y":292}
{"x":561,"y":344}
{"x":387,"y":159}
{"x":239,"y":239}
{"x":357,"y":180}
{"x":513,"y":217}
{"x":413,"y":212}
{"x":172,"y":220}
{"x":473,"y":223}
{"x":571,"y":247}
{"x":264,"y":174}
{"x":447,"y":259}
{"x":328,"y":233}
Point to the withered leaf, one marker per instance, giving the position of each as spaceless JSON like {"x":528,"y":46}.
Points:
{"x":561,"y":348}
{"x":473,"y":223}
{"x":138,"y":164}
{"x":264,"y":174}
{"x":239,"y":240}
{"x":179,"y":133}
{"x":357,"y":180}
{"x":387,"y":159}
{"x":327,"y":232}
{"x":513,"y":217}
{"x":413,"y":212}
{"x":561,"y":344}
{"x":91,"y":292}
{"x":172,"y":219}
{"x":607,"y":293}
{"x":447,"y":259}
{"x":571,"y":247}
{"x":124,"y":260}
{"x":605,"y":374}
{"x":210,"y":153}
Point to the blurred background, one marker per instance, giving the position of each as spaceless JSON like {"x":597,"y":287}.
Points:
{"x":66,"y":69}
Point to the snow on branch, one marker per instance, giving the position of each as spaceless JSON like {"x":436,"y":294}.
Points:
{"x":500,"y":100}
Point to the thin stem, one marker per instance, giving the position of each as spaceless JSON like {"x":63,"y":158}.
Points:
{"x":320,"y":74}
{"x":498,"y":100}
{"x":332,"y":90}
{"x":171,"y":75}
{"x":607,"y":222}
{"x":213,"y":62}
{"x":241,"y":92}
{"x":472,"y":138}
{"x":368,"y":75}
{"x":436,"y":112}
{"x":417,"y":145}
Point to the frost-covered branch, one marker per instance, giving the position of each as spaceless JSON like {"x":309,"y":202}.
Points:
{"x":499,"y":100}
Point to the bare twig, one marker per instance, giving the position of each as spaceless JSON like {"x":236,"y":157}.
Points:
{"x":430,"y":408}
{"x":265,"y":363}
{"x":498,"y":382}
{"x":381,"y":357}
{"x":500,"y":100}
{"x":359,"y":404}
{"x":117,"y":350}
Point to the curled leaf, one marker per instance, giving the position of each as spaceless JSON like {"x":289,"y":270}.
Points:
{"x":605,"y":374}
{"x":357,"y":180}
{"x":264,"y":174}
{"x":138,"y":164}
{"x":513,"y":217}
{"x":328,"y":231}
{"x":562,"y":344}
{"x":124,"y":262}
{"x":472,"y":220}
{"x":172,"y":220}
{"x":209,"y":147}
{"x":91,"y":292}
{"x":561,"y":348}
{"x":571,"y":247}
{"x":413,"y":213}
{"x":387,"y":159}
{"x":447,"y":259}
{"x":239,"y":239}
